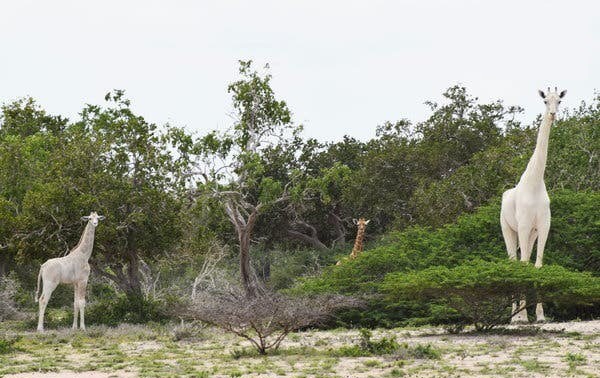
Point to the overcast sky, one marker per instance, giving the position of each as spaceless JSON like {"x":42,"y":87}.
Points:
{"x":343,"y":66}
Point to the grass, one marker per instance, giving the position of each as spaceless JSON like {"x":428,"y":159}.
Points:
{"x":192,"y":350}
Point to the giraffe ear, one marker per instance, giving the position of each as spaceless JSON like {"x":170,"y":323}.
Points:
{"x":367,"y":222}
{"x":101,"y":217}
{"x":85,"y":218}
{"x":541,"y":92}
{"x":562,"y":94}
{"x":354,"y":221}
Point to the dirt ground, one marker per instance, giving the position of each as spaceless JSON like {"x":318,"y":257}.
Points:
{"x":548,"y":350}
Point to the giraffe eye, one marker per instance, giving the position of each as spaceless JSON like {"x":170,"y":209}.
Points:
{"x":559,"y":102}
{"x":545,"y":101}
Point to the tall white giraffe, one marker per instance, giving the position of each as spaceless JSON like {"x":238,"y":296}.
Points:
{"x":71,"y":269}
{"x":525,"y":212}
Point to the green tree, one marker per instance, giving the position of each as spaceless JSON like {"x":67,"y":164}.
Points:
{"x":28,"y":138}
{"x":254,"y":160}
{"x":114,"y":162}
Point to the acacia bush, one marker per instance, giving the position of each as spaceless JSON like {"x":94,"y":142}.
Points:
{"x":573,"y":243}
{"x":481,"y":293}
{"x":266,"y":319}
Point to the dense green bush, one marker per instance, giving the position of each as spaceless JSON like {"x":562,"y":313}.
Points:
{"x":574,"y":242}
{"x":123,"y":309}
{"x":482,"y":293}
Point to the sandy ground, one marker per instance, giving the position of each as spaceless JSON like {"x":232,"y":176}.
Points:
{"x":68,"y":374}
{"x":546,"y":354}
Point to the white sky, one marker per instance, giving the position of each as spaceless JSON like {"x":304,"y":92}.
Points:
{"x":343,"y":66}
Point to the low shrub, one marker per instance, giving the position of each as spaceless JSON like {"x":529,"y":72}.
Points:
{"x":266,"y":319}
{"x":8,"y":306}
{"x":124,"y":309}
{"x":187,"y":331}
{"x":385,"y":345}
{"x":481,"y":293}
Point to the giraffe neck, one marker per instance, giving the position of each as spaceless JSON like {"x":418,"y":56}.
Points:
{"x":534,"y":173}
{"x":358,"y":243}
{"x":86,"y":242}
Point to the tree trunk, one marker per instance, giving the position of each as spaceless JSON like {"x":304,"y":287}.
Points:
{"x":311,"y":239}
{"x":247,"y":282}
{"x":338,"y":228}
{"x":4,"y":262}
{"x":243,"y":216}
{"x":134,"y":285}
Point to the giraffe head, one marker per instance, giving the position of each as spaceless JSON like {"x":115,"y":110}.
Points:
{"x":361,"y":223}
{"x":552,"y":99}
{"x":93,"y":218}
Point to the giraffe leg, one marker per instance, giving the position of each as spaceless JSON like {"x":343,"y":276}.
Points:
{"x":525,"y":234}
{"x":49,"y":287}
{"x":81,"y":294}
{"x":75,"y":307}
{"x":543,"y":230}
{"x":511,"y":239}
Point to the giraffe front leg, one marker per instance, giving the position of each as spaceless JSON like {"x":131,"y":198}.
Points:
{"x":543,"y":230}
{"x":75,"y":306}
{"x":525,"y":243}
{"x":81,"y":288}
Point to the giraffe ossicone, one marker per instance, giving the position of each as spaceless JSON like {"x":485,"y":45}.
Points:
{"x":525,"y":212}
{"x":71,"y":269}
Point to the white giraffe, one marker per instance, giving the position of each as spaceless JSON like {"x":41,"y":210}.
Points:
{"x":71,"y":269}
{"x":525,"y":213}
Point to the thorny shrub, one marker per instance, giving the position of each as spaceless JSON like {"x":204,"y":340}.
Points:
{"x":267,"y":318}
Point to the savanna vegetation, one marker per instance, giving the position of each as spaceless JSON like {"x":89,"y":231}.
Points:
{"x":242,"y":228}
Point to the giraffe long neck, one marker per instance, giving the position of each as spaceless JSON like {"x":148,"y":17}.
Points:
{"x":86,"y":242}
{"x":537,"y":164}
{"x":358,"y":243}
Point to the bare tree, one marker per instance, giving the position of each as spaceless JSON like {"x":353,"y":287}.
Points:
{"x":267,"y":318}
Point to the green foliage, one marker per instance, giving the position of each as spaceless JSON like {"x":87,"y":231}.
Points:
{"x":573,"y":163}
{"x":124,"y":309}
{"x":7,"y":345}
{"x":385,"y":345}
{"x":574,"y":239}
{"x":473,"y":236}
{"x":422,"y":175}
{"x":482,"y":292}
{"x":111,"y":161}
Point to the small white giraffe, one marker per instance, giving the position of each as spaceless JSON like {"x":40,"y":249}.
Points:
{"x":71,"y":269}
{"x":525,"y":212}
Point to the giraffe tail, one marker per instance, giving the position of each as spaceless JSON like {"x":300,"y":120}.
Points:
{"x":37,"y":289}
